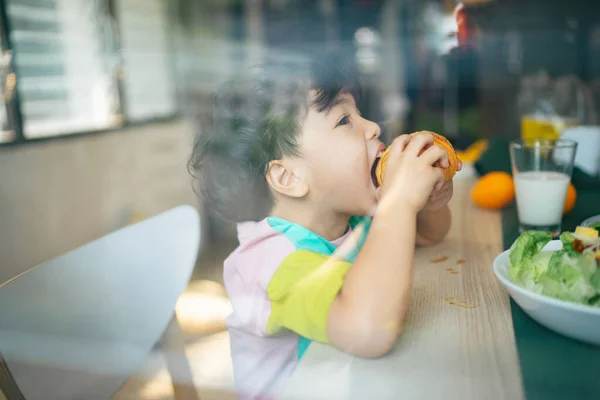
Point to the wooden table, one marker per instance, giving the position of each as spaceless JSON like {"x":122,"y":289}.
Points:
{"x":446,"y":351}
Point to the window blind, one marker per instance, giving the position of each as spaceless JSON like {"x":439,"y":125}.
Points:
{"x":66,"y":61}
{"x":149,"y":87}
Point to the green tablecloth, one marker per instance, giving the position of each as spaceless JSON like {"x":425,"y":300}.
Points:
{"x":552,"y":366}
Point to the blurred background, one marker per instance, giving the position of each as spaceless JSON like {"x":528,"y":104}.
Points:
{"x":102,"y":98}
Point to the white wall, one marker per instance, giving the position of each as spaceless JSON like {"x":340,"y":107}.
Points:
{"x":60,"y":194}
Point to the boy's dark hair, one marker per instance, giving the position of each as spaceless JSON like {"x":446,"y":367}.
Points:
{"x":256,"y":119}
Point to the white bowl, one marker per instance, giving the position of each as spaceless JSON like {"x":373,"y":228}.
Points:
{"x":592,"y":220}
{"x":576,"y":321}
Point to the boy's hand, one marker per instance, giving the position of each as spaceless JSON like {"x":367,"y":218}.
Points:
{"x":411,"y":176}
{"x":439,"y":198}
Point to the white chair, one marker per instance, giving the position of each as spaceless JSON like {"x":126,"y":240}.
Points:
{"x":78,"y":326}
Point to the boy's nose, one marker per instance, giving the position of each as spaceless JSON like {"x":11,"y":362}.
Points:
{"x":372,"y":131}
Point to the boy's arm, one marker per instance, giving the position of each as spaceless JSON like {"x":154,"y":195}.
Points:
{"x":366,"y":316}
{"x":433,"y":226}
{"x":433,"y":222}
{"x":358,"y":308}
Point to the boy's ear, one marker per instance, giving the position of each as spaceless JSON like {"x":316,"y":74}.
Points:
{"x":283,"y":179}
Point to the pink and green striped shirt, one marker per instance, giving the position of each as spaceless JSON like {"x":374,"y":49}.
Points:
{"x":282,"y":280}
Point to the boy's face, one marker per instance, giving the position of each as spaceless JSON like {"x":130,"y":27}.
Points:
{"x":339,"y":148}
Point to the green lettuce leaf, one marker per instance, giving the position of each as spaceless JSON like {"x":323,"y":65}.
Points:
{"x":554,"y":288}
{"x":564,"y":274}
{"x":525,"y":262}
{"x":572,"y":270}
{"x":595,"y":301}
{"x":596,"y":226}
{"x":567,"y":239}
{"x":563,"y":268}
{"x":595,"y":280}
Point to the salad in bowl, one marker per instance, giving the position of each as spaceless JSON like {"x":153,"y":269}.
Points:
{"x":556,"y":282}
{"x":571,"y":273}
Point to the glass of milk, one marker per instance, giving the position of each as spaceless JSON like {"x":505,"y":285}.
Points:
{"x":542,"y":171}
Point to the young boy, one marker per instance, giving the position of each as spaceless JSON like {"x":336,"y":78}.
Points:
{"x":324,"y":255}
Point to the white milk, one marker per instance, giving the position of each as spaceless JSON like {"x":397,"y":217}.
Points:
{"x":541,"y":197}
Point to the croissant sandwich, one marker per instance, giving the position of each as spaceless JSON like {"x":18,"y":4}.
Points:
{"x":438,"y":140}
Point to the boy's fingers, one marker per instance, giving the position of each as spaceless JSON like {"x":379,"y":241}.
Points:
{"x":445,"y":161}
{"x":419,"y":142}
{"x":439,"y":173}
{"x":438,"y":186}
{"x":399,"y":144}
{"x":442,"y":163}
{"x":435,"y":154}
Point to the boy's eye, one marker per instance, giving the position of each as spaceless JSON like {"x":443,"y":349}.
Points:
{"x":344,"y":121}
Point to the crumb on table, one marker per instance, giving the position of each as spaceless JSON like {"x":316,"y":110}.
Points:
{"x":459,"y":303}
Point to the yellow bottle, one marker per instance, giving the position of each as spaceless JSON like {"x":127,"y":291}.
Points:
{"x":550,"y":129}
{"x":532,"y":129}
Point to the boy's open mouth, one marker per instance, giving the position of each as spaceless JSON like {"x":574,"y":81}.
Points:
{"x":374,"y":170}
{"x":375,"y":164}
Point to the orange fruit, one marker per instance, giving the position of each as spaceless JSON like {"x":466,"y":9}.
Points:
{"x":494,"y":190}
{"x":570,"y":200}
{"x":438,"y":140}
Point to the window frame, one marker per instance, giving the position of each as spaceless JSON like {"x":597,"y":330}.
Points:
{"x":13,"y":108}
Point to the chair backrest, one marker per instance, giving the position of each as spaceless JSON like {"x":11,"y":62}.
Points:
{"x":78,"y":326}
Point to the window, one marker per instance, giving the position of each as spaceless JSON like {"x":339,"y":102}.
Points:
{"x":148,"y":84}
{"x":84,"y":65}
{"x":66,"y":62}
{"x":7,"y":77}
